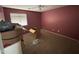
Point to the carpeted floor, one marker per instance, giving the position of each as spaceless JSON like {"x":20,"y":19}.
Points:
{"x":49,"y":43}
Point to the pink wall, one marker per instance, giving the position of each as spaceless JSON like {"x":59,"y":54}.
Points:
{"x":63,"y":20}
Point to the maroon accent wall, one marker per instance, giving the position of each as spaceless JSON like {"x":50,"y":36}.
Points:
{"x":63,"y":20}
{"x":34,"y":18}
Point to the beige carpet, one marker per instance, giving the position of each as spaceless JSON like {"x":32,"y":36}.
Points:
{"x":50,"y":43}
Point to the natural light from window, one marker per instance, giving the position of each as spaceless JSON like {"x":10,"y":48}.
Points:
{"x":19,"y":18}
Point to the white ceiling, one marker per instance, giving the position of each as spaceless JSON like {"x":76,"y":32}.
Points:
{"x":34,"y":7}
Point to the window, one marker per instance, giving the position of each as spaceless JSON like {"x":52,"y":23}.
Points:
{"x":19,"y":18}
